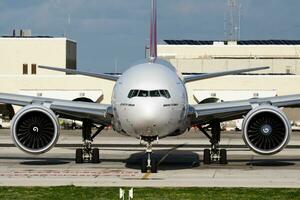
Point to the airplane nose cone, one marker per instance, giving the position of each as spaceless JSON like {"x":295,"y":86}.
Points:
{"x":149,"y":115}
{"x":149,"y":119}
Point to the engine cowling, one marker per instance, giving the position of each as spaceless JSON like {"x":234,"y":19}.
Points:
{"x":266,"y":130}
{"x":35,"y":129}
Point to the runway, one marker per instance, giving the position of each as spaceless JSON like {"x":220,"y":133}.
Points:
{"x":120,"y":164}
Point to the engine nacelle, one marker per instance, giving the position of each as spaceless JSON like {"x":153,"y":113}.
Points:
{"x":266,"y":130}
{"x":35,"y":129}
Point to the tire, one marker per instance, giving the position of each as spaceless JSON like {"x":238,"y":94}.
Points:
{"x":95,"y":156}
{"x":223,"y":157}
{"x":78,"y":156}
{"x":154,"y":165}
{"x":144,"y":165}
{"x":206,"y":157}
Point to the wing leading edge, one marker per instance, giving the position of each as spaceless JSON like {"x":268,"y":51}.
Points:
{"x":98,"y":113}
{"x":225,"y":111}
{"x":218,"y":74}
{"x":71,"y":71}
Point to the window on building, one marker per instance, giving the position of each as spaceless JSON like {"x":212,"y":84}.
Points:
{"x":33,"y":68}
{"x":288,"y":70}
{"x":213,"y":94}
{"x":25,"y":69}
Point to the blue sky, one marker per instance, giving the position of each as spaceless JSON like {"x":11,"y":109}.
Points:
{"x":107,"y":31}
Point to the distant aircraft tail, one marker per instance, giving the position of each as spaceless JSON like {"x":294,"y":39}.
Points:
{"x":153,"y":32}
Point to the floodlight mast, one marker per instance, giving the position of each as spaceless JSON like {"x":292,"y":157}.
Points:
{"x":153,"y":32}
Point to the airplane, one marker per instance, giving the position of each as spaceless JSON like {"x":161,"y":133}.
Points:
{"x":149,"y":102}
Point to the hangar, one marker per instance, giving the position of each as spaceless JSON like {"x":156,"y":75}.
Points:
{"x":22,"y":53}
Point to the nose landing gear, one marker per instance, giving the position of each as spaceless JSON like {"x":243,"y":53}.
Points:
{"x":214,"y":154}
{"x":149,"y":163}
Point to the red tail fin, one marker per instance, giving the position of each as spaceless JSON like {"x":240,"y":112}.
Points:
{"x":153,"y":32}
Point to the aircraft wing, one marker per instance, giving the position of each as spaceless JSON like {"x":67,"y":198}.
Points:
{"x":71,"y":71}
{"x":98,"y":113}
{"x":191,"y":78}
{"x":225,"y":111}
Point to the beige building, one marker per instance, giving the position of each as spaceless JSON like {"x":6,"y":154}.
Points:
{"x":19,"y":72}
{"x":21,"y":56}
{"x":282,"y":56}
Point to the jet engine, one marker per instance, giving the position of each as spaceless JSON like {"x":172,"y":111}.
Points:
{"x":266,"y":130}
{"x":35,"y":129}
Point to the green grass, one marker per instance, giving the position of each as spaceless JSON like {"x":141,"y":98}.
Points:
{"x":74,"y":193}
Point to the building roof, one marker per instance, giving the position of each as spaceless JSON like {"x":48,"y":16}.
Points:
{"x":240,"y":42}
{"x":8,"y":36}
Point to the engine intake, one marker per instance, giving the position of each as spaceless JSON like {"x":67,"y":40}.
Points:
{"x":35,"y":129}
{"x":266,"y":130}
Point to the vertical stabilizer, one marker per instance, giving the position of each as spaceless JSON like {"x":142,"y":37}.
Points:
{"x":153,"y":32}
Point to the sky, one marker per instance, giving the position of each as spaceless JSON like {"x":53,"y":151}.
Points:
{"x":111,"y":34}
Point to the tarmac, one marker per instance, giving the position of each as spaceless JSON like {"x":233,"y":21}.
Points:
{"x":120,"y":163}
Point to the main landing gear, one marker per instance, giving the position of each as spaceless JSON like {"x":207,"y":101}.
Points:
{"x":87,"y":153}
{"x":149,"y":163}
{"x":214,"y":154}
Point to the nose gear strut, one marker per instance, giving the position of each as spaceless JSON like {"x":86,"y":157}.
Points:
{"x":148,"y":161}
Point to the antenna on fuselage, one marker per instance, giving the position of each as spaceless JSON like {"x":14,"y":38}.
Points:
{"x":153,"y":32}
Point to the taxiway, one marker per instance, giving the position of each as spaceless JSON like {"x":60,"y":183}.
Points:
{"x":120,"y":164}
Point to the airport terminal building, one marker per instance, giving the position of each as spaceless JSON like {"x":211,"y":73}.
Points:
{"x":21,"y":54}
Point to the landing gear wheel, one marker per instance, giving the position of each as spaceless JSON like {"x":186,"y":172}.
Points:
{"x":95,"y":155}
{"x":148,"y":162}
{"x":206,"y":157}
{"x":214,"y":154}
{"x":153,"y":165}
{"x":79,"y":156}
{"x":144,"y":165}
{"x":223,"y":157}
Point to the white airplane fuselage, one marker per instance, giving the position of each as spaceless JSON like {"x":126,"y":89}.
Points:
{"x":150,"y":114}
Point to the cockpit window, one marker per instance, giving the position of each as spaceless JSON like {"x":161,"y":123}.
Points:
{"x":143,"y":93}
{"x":151,"y":93}
{"x":154,"y":93}
{"x":165,"y":93}
{"x":130,"y":94}
{"x":133,"y":93}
